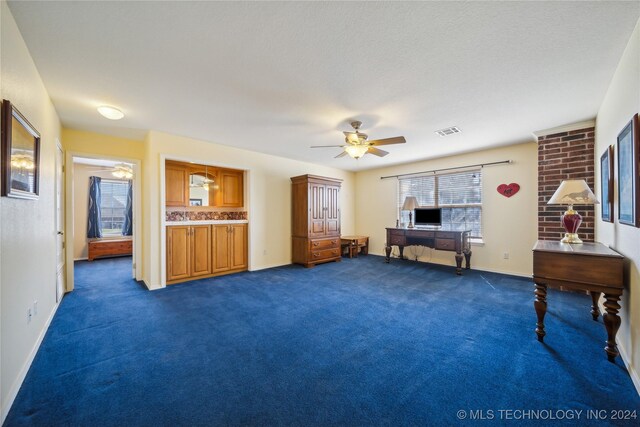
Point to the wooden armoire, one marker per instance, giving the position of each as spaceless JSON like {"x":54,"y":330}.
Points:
{"x":315,"y":223}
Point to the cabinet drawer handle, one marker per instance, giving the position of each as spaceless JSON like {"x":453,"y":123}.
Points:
{"x":316,"y":243}
{"x":316,"y":255}
{"x":334,"y":242}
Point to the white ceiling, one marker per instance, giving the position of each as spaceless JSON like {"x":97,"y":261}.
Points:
{"x":277,"y":77}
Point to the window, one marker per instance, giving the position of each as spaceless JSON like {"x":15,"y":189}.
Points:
{"x":458,"y":194}
{"x":113,"y":206}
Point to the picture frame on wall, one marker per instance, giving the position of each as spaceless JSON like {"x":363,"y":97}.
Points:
{"x":628,"y":174}
{"x":20,"y":159}
{"x":606,"y":184}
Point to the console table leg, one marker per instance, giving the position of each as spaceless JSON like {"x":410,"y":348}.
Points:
{"x":540,"y":304}
{"x":612,"y":323}
{"x":467,"y":260}
{"x":401,"y":249}
{"x":595,"y":296}
{"x":458,"y":264}
{"x":387,"y":251}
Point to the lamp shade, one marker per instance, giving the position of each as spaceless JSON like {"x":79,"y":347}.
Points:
{"x":573,"y":192}
{"x":410,"y":203}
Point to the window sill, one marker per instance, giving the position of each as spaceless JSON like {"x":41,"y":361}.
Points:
{"x":476,"y":242}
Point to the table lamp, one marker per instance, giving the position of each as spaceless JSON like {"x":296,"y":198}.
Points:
{"x":572,"y":192}
{"x":410,"y":203}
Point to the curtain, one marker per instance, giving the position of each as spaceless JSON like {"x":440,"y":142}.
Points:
{"x":127,"y":225}
{"x":94,"y":223}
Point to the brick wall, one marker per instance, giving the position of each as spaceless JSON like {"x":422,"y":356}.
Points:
{"x":565,"y":155}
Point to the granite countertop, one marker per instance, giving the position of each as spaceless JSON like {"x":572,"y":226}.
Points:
{"x":208,"y":221}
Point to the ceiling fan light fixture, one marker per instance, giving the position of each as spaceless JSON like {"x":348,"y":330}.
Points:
{"x":122,"y":171}
{"x":111,"y":113}
{"x":356,"y":151}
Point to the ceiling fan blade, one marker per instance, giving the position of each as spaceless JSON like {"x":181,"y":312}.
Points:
{"x":388,"y":141}
{"x":377,"y":152}
{"x":344,"y":153}
{"x":324,"y":146}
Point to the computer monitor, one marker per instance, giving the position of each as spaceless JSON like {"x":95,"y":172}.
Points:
{"x":431,"y":217}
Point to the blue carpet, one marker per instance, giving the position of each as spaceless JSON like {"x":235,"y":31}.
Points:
{"x":353,"y":343}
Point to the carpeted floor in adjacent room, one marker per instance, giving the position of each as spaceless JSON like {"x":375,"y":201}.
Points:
{"x":358,"y":342}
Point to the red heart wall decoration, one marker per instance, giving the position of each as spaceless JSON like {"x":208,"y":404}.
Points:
{"x":508,"y":190}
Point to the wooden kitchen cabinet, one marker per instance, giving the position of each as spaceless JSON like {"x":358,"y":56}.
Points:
{"x":229,"y":247}
{"x":188,"y":252}
{"x":230,"y":191}
{"x":176,"y":184}
{"x":226,"y":189}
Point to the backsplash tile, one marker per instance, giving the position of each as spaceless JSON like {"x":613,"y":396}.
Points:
{"x":205,"y":216}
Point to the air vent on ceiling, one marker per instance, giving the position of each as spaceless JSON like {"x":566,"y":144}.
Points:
{"x":448,"y":131}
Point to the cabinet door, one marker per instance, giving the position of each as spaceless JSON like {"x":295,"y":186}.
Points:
{"x":332,"y":210}
{"x":200,"y":250}
{"x":317,"y":211}
{"x":176,"y":185}
{"x":230,"y":189}
{"x":238,"y":250}
{"x":221,"y":240}
{"x":178,"y":252}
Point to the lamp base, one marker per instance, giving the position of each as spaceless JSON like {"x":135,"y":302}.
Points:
{"x":571,"y":238}
{"x":571,"y":221}
{"x":410,"y":220}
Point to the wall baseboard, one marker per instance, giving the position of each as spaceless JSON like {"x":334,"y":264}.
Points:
{"x":13,"y":391}
{"x":635,"y":378}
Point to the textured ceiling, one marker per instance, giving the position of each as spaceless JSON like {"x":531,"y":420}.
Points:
{"x":277,"y":77}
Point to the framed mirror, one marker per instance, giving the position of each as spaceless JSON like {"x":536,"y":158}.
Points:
{"x":20,"y":154}
{"x":201,"y":187}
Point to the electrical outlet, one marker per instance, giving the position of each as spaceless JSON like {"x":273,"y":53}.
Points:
{"x":506,"y":255}
{"x":264,"y":252}
{"x":35,"y":307}
{"x":29,"y":314}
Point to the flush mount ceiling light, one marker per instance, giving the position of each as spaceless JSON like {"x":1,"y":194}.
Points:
{"x":110,"y":113}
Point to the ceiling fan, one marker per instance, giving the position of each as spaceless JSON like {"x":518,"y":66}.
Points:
{"x":357,"y":143}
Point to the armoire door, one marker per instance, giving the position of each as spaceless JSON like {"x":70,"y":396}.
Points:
{"x":317,"y":210}
{"x":332,"y":210}
{"x":200,"y":250}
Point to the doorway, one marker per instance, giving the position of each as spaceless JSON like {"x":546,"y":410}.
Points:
{"x":103,"y":208}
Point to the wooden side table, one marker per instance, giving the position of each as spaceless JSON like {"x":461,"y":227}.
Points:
{"x":354,"y":245}
{"x":589,"y":267}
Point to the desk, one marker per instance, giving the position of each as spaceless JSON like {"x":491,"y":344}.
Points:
{"x":589,"y":267}
{"x":354,"y":244}
{"x":444,"y":240}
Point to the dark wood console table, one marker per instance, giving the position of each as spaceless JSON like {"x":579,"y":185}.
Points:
{"x":444,"y":240}
{"x":589,"y":267}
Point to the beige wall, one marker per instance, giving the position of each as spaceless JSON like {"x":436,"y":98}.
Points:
{"x":620,"y":103}
{"x":27,"y":228}
{"x":509,"y":224}
{"x":79,"y":141}
{"x":81,"y":174}
{"x":268,"y":195}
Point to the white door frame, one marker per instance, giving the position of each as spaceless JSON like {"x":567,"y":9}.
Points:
{"x":137,"y":211}
{"x":62,"y":200}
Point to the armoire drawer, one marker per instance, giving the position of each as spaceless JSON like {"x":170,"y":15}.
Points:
{"x":315,"y":245}
{"x":325,"y":254}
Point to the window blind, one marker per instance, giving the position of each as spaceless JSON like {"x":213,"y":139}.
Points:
{"x":458,"y":194}
{"x":113,"y":206}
